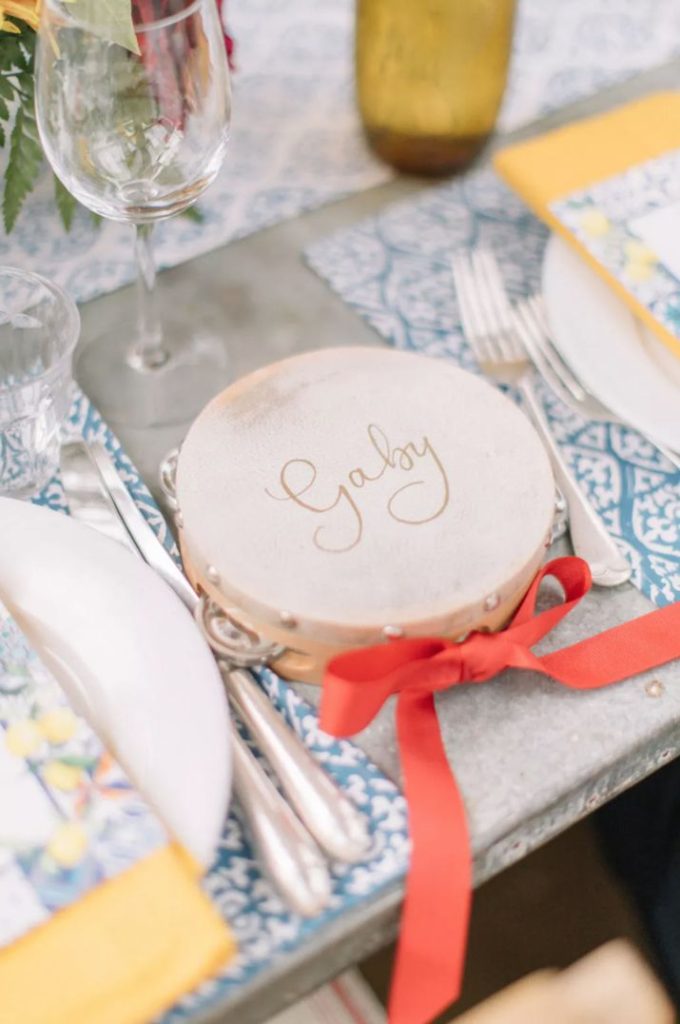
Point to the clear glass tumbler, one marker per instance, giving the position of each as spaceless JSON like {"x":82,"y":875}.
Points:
{"x":39,"y":328}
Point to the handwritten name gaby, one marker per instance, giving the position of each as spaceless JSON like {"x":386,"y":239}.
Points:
{"x":300,"y":483}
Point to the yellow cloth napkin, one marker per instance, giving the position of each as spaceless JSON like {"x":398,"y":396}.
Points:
{"x":122,"y":954}
{"x":554,"y":165}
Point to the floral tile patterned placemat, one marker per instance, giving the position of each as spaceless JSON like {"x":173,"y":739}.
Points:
{"x":264,"y":929}
{"x":69,"y":818}
{"x":395,"y":271}
{"x":296,"y":141}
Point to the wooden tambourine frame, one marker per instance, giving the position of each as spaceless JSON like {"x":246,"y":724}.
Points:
{"x":248,"y":644}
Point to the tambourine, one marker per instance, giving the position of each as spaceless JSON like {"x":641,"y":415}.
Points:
{"x":349,"y":496}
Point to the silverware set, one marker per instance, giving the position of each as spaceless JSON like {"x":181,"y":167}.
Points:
{"x":294,"y":837}
{"x":512,"y":345}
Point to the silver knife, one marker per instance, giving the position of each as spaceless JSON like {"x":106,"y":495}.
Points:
{"x":330,"y":816}
{"x":289,"y":854}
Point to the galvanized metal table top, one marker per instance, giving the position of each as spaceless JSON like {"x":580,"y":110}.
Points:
{"x":530,"y":756}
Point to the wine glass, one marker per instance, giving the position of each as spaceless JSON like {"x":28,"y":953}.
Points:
{"x":138,"y":137}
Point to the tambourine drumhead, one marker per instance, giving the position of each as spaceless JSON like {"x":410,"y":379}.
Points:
{"x":337,"y":493}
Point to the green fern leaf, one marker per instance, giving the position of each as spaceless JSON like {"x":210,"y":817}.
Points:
{"x":12,"y":55}
{"x":195,"y":214}
{"x":16,"y":96}
{"x":23,"y":166}
{"x":66,"y":203}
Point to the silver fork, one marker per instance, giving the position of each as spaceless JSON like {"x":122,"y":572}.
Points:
{"x":490,"y":328}
{"x":532,"y":324}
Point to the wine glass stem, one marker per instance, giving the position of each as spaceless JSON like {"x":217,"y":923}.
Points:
{"x":149,"y":352}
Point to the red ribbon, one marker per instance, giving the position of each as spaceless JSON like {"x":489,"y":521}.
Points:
{"x":433,"y":935}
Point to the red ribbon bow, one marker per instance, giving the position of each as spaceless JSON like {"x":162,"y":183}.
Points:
{"x":433,"y":935}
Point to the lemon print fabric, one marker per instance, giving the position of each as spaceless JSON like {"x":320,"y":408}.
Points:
{"x":66,"y":777}
{"x":22,"y":738}
{"x":69,"y":817}
{"x":610,"y":185}
{"x":58,"y":725}
{"x":608,"y":220}
{"x":641,"y":261}
{"x":594,"y":223}
{"x":68,"y":845}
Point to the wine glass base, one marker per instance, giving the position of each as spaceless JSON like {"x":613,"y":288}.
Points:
{"x":193,"y":367}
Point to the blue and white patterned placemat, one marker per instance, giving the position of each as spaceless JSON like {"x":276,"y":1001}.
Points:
{"x":296,"y":141}
{"x":264,"y":929}
{"x":395,"y":271}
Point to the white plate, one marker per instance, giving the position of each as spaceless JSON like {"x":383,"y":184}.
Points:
{"x":130,"y":659}
{"x":619,"y":361}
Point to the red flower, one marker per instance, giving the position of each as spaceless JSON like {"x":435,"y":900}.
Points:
{"x":150,"y":10}
{"x":162,"y":59}
{"x":228,"y":40}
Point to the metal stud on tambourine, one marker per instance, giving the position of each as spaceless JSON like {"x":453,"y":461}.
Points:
{"x":349,"y":497}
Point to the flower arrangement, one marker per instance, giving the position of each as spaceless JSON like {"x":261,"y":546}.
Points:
{"x":18,"y":130}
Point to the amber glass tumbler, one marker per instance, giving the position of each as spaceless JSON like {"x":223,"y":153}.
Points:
{"x":430,"y":78}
